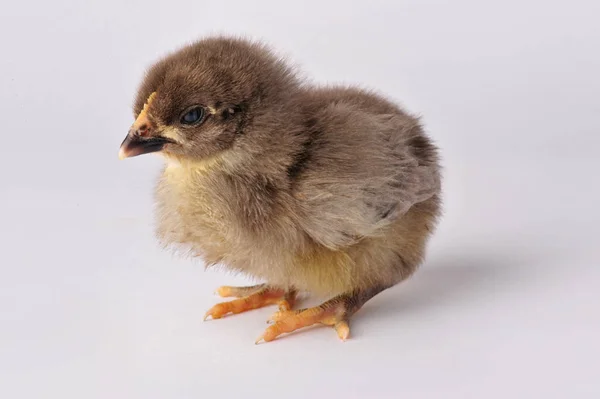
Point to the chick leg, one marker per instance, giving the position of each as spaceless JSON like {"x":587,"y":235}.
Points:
{"x":249,"y":298}
{"x":335,"y":312}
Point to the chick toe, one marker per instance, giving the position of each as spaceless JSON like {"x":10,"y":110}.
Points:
{"x":226,"y":291}
{"x":335,"y":313}
{"x":282,"y":314}
{"x":261,"y":298}
{"x":289,"y":321}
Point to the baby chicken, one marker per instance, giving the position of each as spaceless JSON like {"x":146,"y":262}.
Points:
{"x":327,"y":190}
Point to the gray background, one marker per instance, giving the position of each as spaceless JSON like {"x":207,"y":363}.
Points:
{"x":507,"y":304}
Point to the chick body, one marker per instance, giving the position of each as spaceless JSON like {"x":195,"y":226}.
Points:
{"x":276,"y":227}
{"x":329,"y":190}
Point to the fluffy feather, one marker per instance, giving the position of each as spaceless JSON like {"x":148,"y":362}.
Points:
{"x":324,"y":189}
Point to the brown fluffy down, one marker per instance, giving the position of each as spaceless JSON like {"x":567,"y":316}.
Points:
{"x":323,"y":189}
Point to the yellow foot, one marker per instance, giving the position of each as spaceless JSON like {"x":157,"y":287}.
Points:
{"x":286,"y":321}
{"x":253,"y":297}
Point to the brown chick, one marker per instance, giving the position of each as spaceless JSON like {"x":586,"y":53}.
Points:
{"x":332,"y":190}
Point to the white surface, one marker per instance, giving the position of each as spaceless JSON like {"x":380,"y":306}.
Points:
{"x":507,"y":305}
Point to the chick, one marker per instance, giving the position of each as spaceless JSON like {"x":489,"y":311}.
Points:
{"x":328,"y":190}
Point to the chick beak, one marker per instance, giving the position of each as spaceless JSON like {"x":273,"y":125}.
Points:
{"x":142,"y":137}
{"x":136,"y":144}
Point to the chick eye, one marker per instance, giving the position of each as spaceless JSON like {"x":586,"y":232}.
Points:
{"x":193,"y":116}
